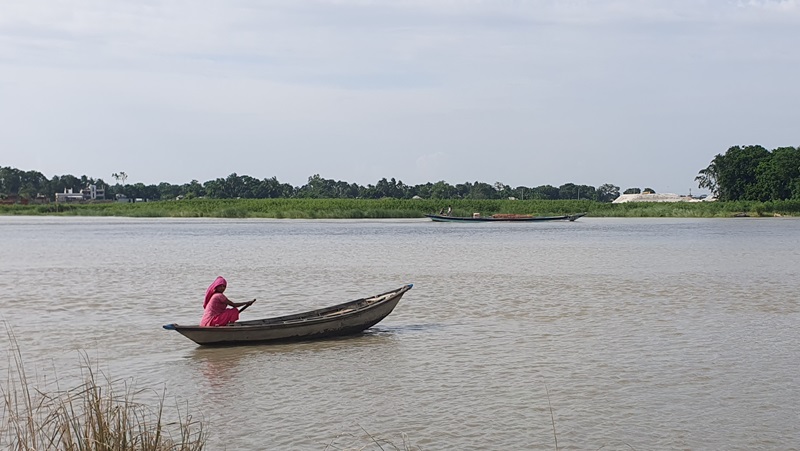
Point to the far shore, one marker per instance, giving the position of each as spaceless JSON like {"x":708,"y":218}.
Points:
{"x":401,"y":208}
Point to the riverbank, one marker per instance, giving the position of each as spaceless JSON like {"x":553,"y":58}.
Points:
{"x":402,"y":208}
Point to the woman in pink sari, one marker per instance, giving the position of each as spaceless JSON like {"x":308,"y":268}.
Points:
{"x":216,"y":305}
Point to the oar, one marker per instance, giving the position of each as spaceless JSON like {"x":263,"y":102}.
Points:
{"x":246,"y":305}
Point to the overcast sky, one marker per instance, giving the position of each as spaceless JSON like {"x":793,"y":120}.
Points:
{"x":636,"y":93}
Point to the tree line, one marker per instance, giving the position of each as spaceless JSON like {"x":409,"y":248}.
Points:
{"x":30,"y":184}
{"x":749,"y":173}
{"x":753,"y":173}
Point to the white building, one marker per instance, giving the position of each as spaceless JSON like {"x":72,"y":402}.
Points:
{"x":91,"y":192}
{"x":69,"y":196}
{"x":654,"y":197}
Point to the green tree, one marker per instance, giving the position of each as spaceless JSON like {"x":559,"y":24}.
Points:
{"x":142,"y":191}
{"x":607,"y":193}
{"x":442,"y":190}
{"x":480,"y":190}
{"x":502,"y":190}
{"x":168,"y":190}
{"x":23,"y":183}
{"x":214,"y":188}
{"x":10,"y":180}
{"x":120,"y":176}
{"x":193,"y":189}
{"x":318,"y":188}
{"x":707,"y":178}
{"x":587,"y":192}
{"x":387,"y":188}
{"x":778,"y":176}
{"x":572,"y":191}
{"x":736,"y":172}
{"x":545,"y":192}
{"x":33,"y":183}
{"x":522,"y":192}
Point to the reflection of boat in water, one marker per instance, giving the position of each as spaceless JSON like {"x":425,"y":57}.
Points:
{"x":504,"y":218}
{"x":339,"y":320}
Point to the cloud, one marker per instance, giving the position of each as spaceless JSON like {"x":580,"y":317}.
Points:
{"x":379,"y":82}
{"x":346,"y":44}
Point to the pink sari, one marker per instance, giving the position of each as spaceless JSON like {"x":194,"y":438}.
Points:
{"x":215,"y":305}
{"x":217,"y":313}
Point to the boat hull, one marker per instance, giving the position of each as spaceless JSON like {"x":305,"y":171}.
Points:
{"x":339,"y":320}
{"x":444,"y":218}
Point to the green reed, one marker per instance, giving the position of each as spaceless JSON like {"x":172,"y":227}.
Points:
{"x":402,"y":208}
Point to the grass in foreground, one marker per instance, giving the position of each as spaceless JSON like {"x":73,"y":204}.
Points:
{"x":103,"y":416}
{"x":369,"y":441}
{"x":98,"y":415}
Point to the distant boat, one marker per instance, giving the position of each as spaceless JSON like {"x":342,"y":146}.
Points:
{"x":503,"y":218}
{"x":343,"y":319}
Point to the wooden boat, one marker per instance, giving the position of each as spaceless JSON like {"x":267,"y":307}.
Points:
{"x":339,"y":320}
{"x":504,"y":218}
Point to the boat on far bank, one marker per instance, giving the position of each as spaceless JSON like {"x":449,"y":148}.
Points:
{"x":503,"y":218}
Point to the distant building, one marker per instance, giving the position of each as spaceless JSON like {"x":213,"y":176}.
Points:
{"x":91,"y":192}
{"x":648,"y":196}
{"x":69,"y":196}
{"x":13,"y":199}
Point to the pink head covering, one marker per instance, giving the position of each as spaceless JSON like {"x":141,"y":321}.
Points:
{"x":219,"y":281}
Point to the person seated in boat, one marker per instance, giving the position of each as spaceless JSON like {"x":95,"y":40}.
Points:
{"x":449,"y":210}
{"x":216,"y":305}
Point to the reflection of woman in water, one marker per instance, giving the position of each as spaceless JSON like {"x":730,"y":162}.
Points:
{"x":216,"y":305}
{"x":218,"y":368}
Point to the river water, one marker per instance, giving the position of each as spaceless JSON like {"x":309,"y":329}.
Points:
{"x":646,"y":334}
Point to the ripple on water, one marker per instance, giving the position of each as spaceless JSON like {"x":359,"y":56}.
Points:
{"x":656,"y":334}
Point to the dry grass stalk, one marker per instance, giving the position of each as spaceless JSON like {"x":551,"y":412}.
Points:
{"x":98,"y":415}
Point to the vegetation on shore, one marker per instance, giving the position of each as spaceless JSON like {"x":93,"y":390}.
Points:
{"x":33,"y":185}
{"x":747,"y":181}
{"x":749,"y":173}
{"x":401,"y":208}
{"x":753,"y":173}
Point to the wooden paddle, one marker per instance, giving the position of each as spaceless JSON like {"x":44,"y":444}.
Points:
{"x":246,"y":305}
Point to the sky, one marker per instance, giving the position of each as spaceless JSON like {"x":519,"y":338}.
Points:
{"x":635,"y":93}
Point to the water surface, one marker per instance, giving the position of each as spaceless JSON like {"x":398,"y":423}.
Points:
{"x":640,"y":333}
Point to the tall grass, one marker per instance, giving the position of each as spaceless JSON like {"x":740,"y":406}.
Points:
{"x":370,"y":441}
{"x":401,"y":208}
{"x":98,"y":415}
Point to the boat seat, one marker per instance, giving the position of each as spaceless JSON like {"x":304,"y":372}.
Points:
{"x":340,"y":312}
